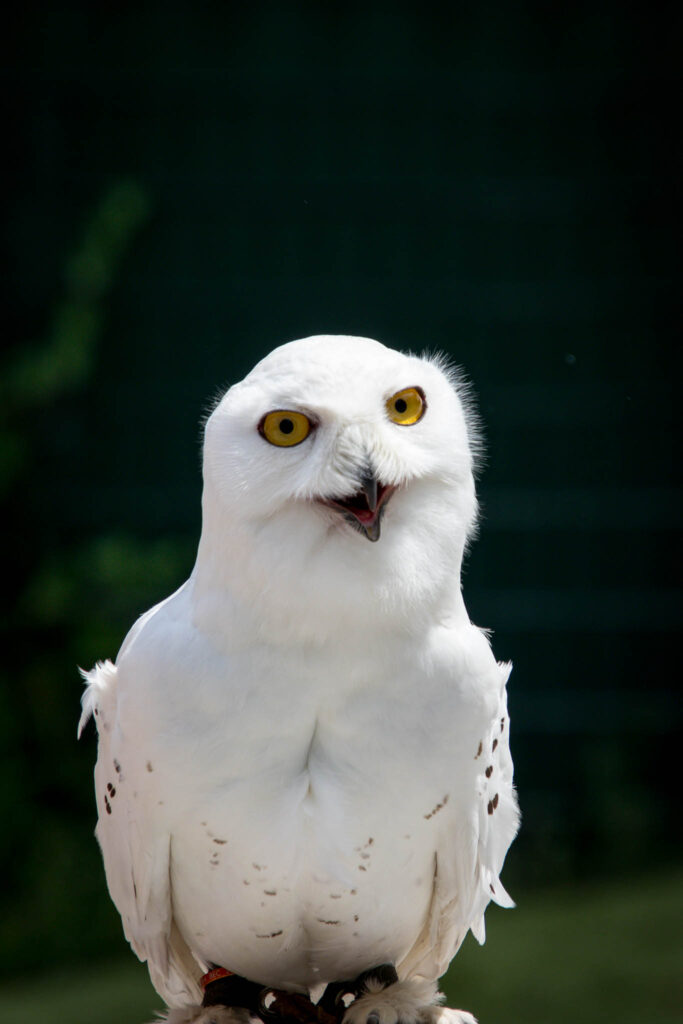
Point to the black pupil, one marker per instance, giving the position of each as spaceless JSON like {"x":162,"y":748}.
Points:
{"x":286,"y":426}
{"x":400,"y":405}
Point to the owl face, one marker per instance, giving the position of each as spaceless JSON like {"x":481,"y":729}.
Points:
{"x":332,"y":441}
{"x":339,"y":423}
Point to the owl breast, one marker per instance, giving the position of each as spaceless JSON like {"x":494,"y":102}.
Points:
{"x":305,"y":810}
{"x":274,"y":900}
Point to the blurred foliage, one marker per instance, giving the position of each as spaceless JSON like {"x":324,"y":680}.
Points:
{"x":70,"y":602}
{"x":38,"y":374}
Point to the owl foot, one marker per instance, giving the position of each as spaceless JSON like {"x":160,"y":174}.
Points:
{"x":413,"y":1001}
{"x":444,"y":1015}
{"x":206,"y":1015}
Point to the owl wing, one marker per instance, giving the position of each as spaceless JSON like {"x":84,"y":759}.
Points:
{"x":136,"y":848}
{"x":475,"y":837}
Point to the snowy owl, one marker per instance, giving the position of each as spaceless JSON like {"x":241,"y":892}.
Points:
{"x":304,"y":784}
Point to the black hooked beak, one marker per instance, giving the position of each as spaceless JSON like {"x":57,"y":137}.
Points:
{"x":369,"y":485}
{"x":364,"y":509}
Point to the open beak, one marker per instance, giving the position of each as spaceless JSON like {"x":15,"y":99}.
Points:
{"x":364,"y":509}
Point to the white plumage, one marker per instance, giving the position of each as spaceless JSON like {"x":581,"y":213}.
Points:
{"x":303,"y":765}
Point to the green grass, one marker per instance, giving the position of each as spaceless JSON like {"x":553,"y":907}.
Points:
{"x":94,"y":994}
{"x":602,"y":955}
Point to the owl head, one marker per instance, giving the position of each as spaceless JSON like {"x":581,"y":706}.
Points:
{"x":342,"y":470}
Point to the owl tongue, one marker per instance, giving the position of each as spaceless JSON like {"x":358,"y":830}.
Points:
{"x":364,"y":508}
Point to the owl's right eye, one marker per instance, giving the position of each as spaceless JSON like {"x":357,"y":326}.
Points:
{"x":406,"y":407}
{"x":285,"y":428}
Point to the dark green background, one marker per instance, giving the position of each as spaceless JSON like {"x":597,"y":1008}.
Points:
{"x":192,"y":185}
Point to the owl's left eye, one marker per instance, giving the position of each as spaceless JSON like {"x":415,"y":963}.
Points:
{"x":407,"y":406}
{"x":285,"y":428}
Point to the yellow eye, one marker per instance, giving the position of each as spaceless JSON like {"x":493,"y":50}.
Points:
{"x":285,"y":428}
{"x":406,"y":407}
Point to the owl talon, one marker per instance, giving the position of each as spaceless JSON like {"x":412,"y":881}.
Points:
{"x":399,"y":1002}
{"x":445,"y":1015}
{"x":206,"y":1015}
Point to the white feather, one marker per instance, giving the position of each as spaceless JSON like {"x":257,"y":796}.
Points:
{"x":308,"y":741}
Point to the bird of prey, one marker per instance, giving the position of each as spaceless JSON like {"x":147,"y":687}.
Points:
{"x":304,"y":784}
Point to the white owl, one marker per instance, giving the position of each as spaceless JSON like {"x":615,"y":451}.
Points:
{"x":304,"y":773}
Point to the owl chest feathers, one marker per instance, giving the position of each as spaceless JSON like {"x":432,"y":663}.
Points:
{"x":305,"y":730}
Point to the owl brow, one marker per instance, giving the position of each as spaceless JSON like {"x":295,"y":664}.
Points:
{"x":411,"y":387}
